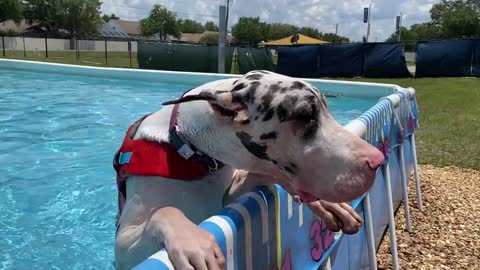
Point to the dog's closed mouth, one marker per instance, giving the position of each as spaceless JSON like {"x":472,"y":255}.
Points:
{"x":306,"y":197}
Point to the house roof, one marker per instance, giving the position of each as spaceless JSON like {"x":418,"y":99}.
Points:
{"x":302,"y":39}
{"x":12,"y":26}
{"x":129,"y":27}
{"x":111,"y":30}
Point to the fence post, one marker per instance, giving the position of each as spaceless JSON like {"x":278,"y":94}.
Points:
{"x":76,"y":48}
{"x":130,"y":52}
{"x":3,"y":45}
{"x":106,"y":56}
{"x":24,"y":51}
{"x":46,"y":46}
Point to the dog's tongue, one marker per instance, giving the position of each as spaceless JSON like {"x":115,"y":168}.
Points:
{"x":306,"y":197}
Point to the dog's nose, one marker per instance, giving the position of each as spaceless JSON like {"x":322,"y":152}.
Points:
{"x":375,"y":159}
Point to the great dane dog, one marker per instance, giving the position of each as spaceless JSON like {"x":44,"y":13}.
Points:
{"x":182,"y":164}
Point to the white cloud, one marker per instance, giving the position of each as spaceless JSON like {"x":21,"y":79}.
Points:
{"x":321,"y":14}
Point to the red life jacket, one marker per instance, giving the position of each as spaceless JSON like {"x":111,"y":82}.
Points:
{"x":149,"y":158}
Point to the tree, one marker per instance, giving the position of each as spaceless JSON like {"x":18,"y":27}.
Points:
{"x":211,"y":26}
{"x":49,"y":15}
{"x":161,"y":21}
{"x":11,"y":10}
{"x":457,"y":18}
{"x":407,"y":37}
{"x":310,"y":32}
{"x":82,"y":17}
{"x":209,"y":39}
{"x":112,"y":16}
{"x":249,"y":30}
{"x":333,"y":38}
{"x":78,"y":17}
{"x":426,"y":31}
{"x":190,"y":26}
{"x":281,"y":30}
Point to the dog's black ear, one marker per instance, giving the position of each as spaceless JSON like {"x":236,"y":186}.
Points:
{"x":202,"y":96}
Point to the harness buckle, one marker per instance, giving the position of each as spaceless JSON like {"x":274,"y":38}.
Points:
{"x":212,"y":170}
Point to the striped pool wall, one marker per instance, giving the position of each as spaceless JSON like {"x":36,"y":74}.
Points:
{"x":265,"y":228}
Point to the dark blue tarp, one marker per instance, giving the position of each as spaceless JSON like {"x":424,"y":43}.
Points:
{"x":444,"y":58}
{"x":340,"y":60}
{"x":377,"y":60}
{"x":476,"y":58}
{"x":385,"y":60}
{"x":298,"y":61}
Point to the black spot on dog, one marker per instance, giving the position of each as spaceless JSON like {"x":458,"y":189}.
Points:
{"x":305,"y":113}
{"x":268,"y":115}
{"x":246,"y":122}
{"x":250,"y":94}
{"x":254,"y":77}
{"x":263,"y":71}
{"x":298,"y":85}
{"x":237,"y":98}
{"x":274,"y":161}
{"x":290,"y":170}
{"x":238,"y":87}
{"x":256,"y":118}
{"x":255,"y":148}
{"x":266,"y":102}
{"x":293,"y":165}
{"x":234,"y":82}
{"x":282,"y":113}
{"x":309,"y":98}
{"x":283,"y":90}
{"x":268,"y":136}
{"x":293,"y":100}
{"x":310,"y":131}
{"x":274,"y":88}
{"x":220,"y":92}
{"x":283,"y":108}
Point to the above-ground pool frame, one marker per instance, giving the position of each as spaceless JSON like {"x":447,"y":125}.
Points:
{"x":265,"y":229}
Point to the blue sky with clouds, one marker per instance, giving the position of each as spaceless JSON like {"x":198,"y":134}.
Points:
{"x":321,"y":14}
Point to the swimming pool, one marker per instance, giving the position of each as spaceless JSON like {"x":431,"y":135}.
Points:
{"x":58,"y":134}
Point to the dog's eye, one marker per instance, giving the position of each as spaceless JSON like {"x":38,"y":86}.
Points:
{"x":305,"y":113}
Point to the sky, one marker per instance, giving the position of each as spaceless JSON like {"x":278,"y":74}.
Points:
{"x":320,"y":14}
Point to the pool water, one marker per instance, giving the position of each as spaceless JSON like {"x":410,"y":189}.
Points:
{"x":58,"y":135}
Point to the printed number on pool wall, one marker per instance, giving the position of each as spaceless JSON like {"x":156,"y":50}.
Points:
{"x":322,"y":239}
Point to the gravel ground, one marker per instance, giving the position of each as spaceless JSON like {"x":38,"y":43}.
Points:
{"x":446,"y":235}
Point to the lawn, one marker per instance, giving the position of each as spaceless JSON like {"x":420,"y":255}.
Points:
{"x":449,"y":132}
{"x":114,"y":59}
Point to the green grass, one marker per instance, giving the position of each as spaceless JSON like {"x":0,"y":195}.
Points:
{"x":115,"y":59}
{"x":449,"y":132}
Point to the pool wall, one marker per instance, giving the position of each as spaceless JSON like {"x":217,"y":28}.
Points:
{"x":265,"y":229}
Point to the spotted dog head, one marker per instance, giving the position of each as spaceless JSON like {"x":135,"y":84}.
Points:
{"x":285,"y":125}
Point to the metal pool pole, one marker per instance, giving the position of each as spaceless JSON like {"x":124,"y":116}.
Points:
{"x":391,"y":216}
{"x":372,"y":253}
{"x":24,"y":51}
{"x":130,"y":52}
{"x":3,"y":45}
{"x":46,"y":46}
{"x":405,"y":189}
{"x":106,"y":56}
{"x":415,"y":169}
